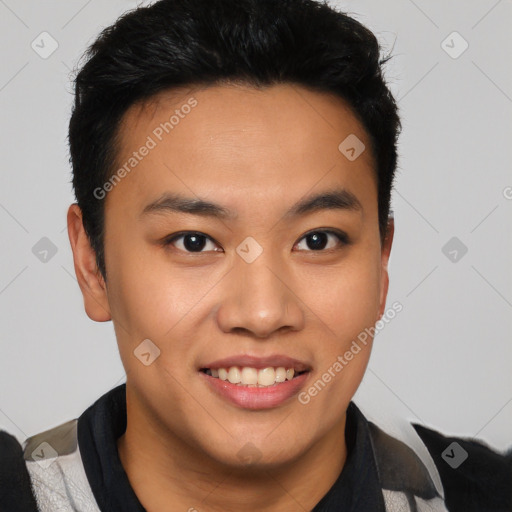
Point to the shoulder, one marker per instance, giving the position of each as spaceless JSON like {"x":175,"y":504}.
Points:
{"x":15,"y":488}
{"x":44,"y":474}
{"x":466,"y":474}
{"x":54,"y":463}
{"x":475,"y":477}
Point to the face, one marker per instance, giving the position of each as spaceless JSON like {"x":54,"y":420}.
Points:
{"x":242,"y":241}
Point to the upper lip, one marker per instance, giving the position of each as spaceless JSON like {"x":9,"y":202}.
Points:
{"x":275,"y":361}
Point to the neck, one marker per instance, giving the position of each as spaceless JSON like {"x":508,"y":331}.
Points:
{"x":162,"y":469}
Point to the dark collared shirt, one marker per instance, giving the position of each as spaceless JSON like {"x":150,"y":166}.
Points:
{"x":356,"y":489}
{"x":75,"y":467}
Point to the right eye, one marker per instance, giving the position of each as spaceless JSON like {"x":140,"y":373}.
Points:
{"x":190,"y":241}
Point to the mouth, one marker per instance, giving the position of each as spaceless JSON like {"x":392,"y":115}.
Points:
{"x":256,"y":382}
{"x":249,"y":376}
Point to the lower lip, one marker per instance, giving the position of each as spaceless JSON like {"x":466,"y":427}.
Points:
{"x":255,"y":397}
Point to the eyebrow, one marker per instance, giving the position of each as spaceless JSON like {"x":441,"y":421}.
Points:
{"x":338,"y":199}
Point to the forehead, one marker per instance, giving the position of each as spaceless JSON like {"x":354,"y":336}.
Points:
{"x":240,"y":142}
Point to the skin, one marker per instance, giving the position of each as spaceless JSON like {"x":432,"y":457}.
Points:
{"x":256,"y":152}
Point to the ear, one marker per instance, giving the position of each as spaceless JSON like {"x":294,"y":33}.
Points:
{"x":90,"y":280}
{"x":384,"y":258}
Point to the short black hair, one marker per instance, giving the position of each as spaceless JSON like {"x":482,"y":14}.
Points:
{"x":180,"y":43}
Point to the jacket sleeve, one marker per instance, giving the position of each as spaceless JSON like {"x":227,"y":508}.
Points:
{"x":475,"y":478}
{"x":15,"y":487}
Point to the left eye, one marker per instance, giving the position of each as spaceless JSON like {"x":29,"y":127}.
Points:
{"x":319,"y":240}
{"x":314,"y":240}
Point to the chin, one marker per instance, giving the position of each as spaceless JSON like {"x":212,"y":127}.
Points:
{"x":256,"y":451}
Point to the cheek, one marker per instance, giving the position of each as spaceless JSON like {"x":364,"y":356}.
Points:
{"x":145,"y":291}
{"x":345,"y":305}
{"x":146,"y":300}
{"x":346,"y":298}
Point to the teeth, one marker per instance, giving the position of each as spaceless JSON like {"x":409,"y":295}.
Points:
{"x":266,"y":376}
{"x":280,"y":374}
{"x":248,"y":376}
{"x":234,"y":375}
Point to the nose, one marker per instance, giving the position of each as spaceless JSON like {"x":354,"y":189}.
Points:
{"x":259,"y":300}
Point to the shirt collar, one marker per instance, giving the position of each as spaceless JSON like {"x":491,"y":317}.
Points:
{"x":99,"y":427}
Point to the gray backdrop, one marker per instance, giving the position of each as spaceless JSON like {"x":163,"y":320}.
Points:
{"x":444,"y":360}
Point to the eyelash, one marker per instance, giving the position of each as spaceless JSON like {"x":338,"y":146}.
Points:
{"x":342,"y":238}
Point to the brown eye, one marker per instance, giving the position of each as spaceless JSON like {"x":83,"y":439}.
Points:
{"x":321,"y":240}
{"x":191,"y":242}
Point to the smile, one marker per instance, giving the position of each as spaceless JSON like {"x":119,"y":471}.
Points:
{"x":253,"y":377}
{"x":250,"y":382}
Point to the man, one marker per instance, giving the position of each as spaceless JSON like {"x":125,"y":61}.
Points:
{"x":233,"y":164}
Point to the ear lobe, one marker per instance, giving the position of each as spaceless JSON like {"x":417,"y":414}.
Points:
{"x":385,"y":253}
{"x":90,"y":280}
